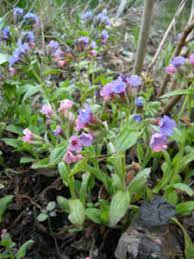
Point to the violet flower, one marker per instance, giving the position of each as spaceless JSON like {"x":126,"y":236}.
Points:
{"x":106,"y":92}
{"x":178,"y":61}
{"x":85,"y":117}
{"x":86,"y":139}
{"x":54,"y":45}
{"x":104,"y":36}
{"x":87,"y":15}
{"x":57,"y":131}
{"x":158,"y":142}
{"x":6,"y":33}
{"x":29,"y":37}
{"x":137,"y":117}
{"x":17,"y":12}
{"x":118,"y":86}
{"x":167,"y":125}
{"x":134,"y":81}
{"x":31,"y":18}
{"x":84,"y":40}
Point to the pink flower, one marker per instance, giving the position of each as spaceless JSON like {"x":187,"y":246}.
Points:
{"x":75,"y":144}
{"x":28,"y":136}
{"x":47,"y":110}
{"x":61,"y":63}
{"x":70,"y":158}
{"x":107,"y":92}
{"x":158,"y":142}
{"x":65,"y":105}
{"x":170,"y":69}
{"x":12,"y":71}
{"x":191,"y":59}
{"x":79,"y":124}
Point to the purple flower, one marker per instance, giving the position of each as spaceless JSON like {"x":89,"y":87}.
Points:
{"x":93,"y":45}
{"x":31,"y":18}
{"x":104,"y":36}
{"x":118,"y":86}
{"x":29,"y":37}
{"x":6,"y":33}
{"x":86,"y":139}
{"x":158,"y":142}
{"x":139,"y":102}
{"x":47,"y":110}
{"x":85,"y":117}
{"x":17,"y":54}
{"x":170,"y":69}
{"x":178,"y":61}
{"x":65,"y":105}
{"x":28,"y":136}
{"x":167,"y":125}
{"x":137,"y":117}
{"x":53,"y":45}
{"x":102,"y":18}
{"x":75,"y":144}
{"x":17,"y":12}
{"x":57,"y":131}
{"x":134,"y":81}
{"x":87,"y":15}
{"x":84,"y":40}
{"x":106,"y":91}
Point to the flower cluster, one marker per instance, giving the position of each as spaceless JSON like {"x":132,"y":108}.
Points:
{"x":159,"y":140}
{"x":56,"y":53}
{"x":178,"y":62}
{"x":84,"y":118}
{"x":118,"y":86}
{"x":76,"y":144}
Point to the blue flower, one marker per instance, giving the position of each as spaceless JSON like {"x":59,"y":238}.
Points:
{"x":134,"y":81}
{"x":31,"y":18}
{"x":6,"y":33}
{"x":17,"y":54}
{"x":139,"y":102}
{"x":84,"y":40}
{"x":167,"y":125}
{"x":137,"y":117}
{"x":53,"y":45}
{"x":118,"y":86}
{"x":87,"y":15}
{"x":85,"y":114}
{"x":104,"y":36}
{"x":29,"y":36}
{"x":178,"y":61}
{"x":18,"y":12}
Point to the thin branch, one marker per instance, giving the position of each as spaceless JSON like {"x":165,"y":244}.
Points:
{"x":143,"y":36}
{"x":177,"y":13}
{"x":188,"y":29}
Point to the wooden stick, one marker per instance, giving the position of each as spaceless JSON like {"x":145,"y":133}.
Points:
{"x":143,"y":36}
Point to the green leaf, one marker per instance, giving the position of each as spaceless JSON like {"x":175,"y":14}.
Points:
{"x":77,"y":212}
{"x":189,"y":247}
{"x":51,"y":206}
{"x":43,"y":163}
{"x":94,"y":215}
{"x":42,"y":217}
{"x":30,"y":90}
{"x":4,"y":58}
{"x":185,"y":208}
{"x":63,"y":203}
{"x":4,"y":202}
{"x":176,"y":92}
{"x":139,"y":181}
{"x":23,"y":249}
{"x":118,"y":207}
{"x":57,"y":154}
{"x":184,"y":188}
{"x":26,"y":159}
{"x":126,"y":139}
{"x":84,"y":187}
{"x":13,"y":128}
{"x":63,"y":171}
{"x":11,"y":142}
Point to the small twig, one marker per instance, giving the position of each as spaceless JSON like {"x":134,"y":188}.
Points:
{"x":177,"y":13}
{"x":188,"y":28}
